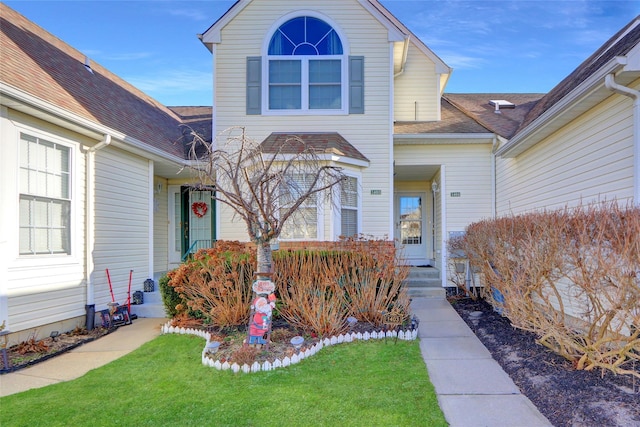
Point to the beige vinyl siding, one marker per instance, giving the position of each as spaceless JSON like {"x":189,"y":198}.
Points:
{"x":160,"y":226}
{"x":467,"y":171}
{"x":416,"y":94}
{"x":369,"y":132}
{"x":41,"y":289}
{"x":121,"y":223}
{"x":590,"y":159}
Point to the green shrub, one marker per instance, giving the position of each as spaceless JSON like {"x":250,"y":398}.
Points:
{"x":170,"y":298}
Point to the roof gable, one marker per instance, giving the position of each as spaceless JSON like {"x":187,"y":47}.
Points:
{"x":398,"y":32}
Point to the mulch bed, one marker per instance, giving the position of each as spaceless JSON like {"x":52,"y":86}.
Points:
{"x":44,"y":349}
{"x":566,"y":396}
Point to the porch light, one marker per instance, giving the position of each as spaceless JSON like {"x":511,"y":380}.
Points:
{"x":434,"y":187}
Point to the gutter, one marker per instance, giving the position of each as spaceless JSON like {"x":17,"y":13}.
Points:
{"x":610,"y":83}
{"x":494,"y":146}
{"x":89,"y":217}
{"x":556,"y":111}
{"x":405,"y":53}
{"x":59,"y":116}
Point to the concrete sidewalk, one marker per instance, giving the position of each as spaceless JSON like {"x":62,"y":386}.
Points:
{"x":473,"y":390}
{"x":82,"y":359}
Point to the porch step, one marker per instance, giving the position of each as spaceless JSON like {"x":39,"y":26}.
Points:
{"x":152,"y":305}
{"x":425,"y":282}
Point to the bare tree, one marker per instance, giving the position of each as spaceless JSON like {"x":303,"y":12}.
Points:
{"x":265,"y":185}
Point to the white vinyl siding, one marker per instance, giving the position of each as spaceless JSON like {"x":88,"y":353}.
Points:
{"x":349,"y":207}
{"x":121,"y":223}
{"x":590,"y":159}
{"x":416,"y":96}
{"x":467,"y":172}
{"x":46,"y":288}
{"x":370,"y":133}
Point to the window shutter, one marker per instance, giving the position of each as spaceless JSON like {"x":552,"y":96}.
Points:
{"x":356,"y":85}
{"x":254,"y":85}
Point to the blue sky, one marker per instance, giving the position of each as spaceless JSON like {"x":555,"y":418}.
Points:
{"x":493,"y":46}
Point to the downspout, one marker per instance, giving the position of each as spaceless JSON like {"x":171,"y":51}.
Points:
{"x":494,"y":145}
{"x":405,"y":53}
{"x":443,"y":226}
{"x":610,"y":83}
{"x":89,"y":226}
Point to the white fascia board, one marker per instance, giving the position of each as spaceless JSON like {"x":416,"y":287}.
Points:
{"x":399,"y":32}
{"x":534,"y":132}
{"x":395,"y":34}
{"x":324,"y":157}
{"x":29,"y":104}
{"x":212,"y":35}
{"x":441,"y":67}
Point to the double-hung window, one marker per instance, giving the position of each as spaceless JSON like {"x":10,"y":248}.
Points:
{"x":349,"y":207}
{"x":303,"y":223}
{"x":305,"y":66}
{"x":45,"y":197}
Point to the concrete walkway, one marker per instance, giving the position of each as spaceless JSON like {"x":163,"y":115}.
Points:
{"x":473,"y":390}
{"x":82,"y":359}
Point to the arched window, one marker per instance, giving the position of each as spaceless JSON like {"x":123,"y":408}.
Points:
{"x":305,"y":66}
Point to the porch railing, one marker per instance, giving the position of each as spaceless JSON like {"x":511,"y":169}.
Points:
{"x":197,"y":244}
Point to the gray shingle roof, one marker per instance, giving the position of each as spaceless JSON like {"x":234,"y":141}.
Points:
{"x":321,"y":142}
{"x":453,"y":120}
{"x":615,"y":46}
{"x":504,"y":124}
{"x":38,"y":63}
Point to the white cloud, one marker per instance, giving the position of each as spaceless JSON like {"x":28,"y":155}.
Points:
{"x":192,"y":14}
{"x":459,"y":61}
{"x":173,"y":82}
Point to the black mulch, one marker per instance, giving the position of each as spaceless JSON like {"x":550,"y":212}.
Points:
{"x":566,"y":396}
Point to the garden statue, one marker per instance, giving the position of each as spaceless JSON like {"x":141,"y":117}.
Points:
{"x":262,"y":306}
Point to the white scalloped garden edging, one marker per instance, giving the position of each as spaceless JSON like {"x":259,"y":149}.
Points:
{"x":287,"y":361}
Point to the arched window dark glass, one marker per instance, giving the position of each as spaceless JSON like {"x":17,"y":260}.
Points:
{"x":306,"y":59}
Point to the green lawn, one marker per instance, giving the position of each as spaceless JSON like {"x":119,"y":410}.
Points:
{"x":163,"y":383}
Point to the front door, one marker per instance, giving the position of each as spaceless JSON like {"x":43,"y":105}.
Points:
{"x":410,"y":226}
{"x":192,"y":221}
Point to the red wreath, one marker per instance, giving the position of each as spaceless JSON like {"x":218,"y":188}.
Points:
{"x":199,"y":209}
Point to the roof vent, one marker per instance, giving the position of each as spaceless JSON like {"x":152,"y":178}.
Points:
{"x":87,"y":64}
{"x":501,"y":103}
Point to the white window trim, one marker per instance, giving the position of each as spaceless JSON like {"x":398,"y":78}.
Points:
{"x":77,"y":221}
{"x":319,"y":224}
{"x":305,"y":111}
{"x":337,"y":219}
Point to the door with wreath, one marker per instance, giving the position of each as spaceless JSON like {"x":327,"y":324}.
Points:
{"x":192,"y":221}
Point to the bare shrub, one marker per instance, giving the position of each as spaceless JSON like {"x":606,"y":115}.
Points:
{"x":359,"y":276}
{"x":317,"y":288}
{"x":312,"y":300}
{"x":217,"y":283}
{"x":374,"y":276}
{"x":570,"y":276}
